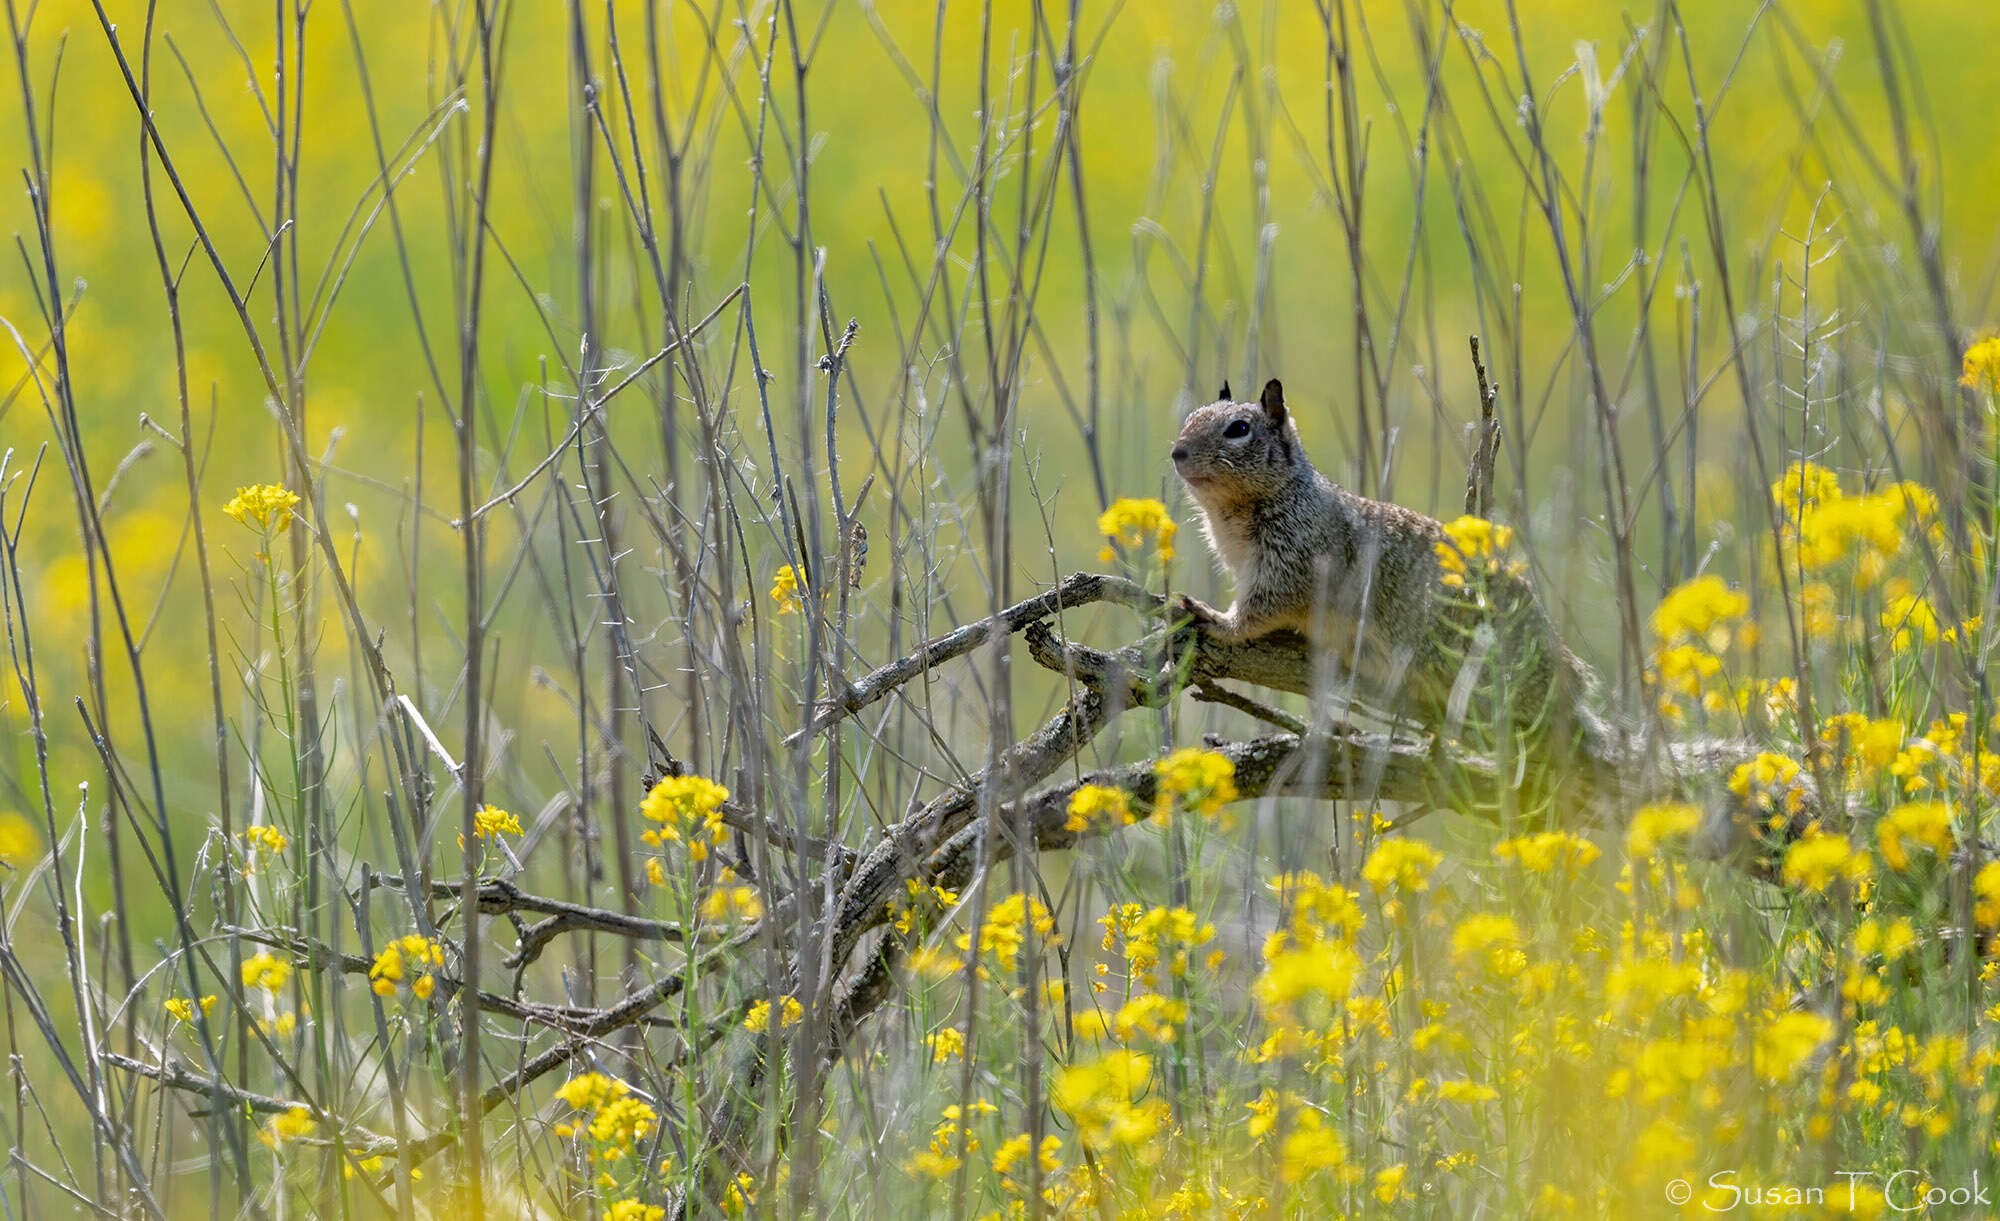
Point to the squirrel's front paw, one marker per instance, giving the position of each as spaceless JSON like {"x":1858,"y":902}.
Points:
{"x":1205,"y":617}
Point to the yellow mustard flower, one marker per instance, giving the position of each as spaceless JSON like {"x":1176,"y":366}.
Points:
{"x":1145,"y":936}
{"x":1005,"y":930}
{"x":622,"y":1123}
{"x":1910,"y":621}
{"x":1097,"y":803}
{"x":1103,"y":1098}
{"x":1769,"y":782}
{"x":1490,"y":940}
{"x":1784,"y":1043}
{"x":591,"y":1091}
{"x":491,"y":822}
{"x":1982,"y":366}
{"x":1925,"y":824}
{"x":785,"y":589}
{"x":290,"y":1125}
{"x":1132,"y":523}
{"x":182,"y":1009}
{"x":262,"y":506}
{"x":790,"y":1013}
{"x":1292,"y":972}
{"x":1389,"y":1184}
{"x":1805,"y":485}
{"x":1309,"y":1148}
{"x":261,"y":970}
{"x":1548,"y":852}
{"x":679,"y":802}
{"x":1474,"y":545}
{"x":730,"y":899}
{"x":1655,"y":825}
{"x":1702,"y":609}
{"x":1400,"y":863}
{"x":265,"y":838}
{"x":1195,"y":779}
{"x":1818,"y":861}
{"x":1014,"y":1150}
{"x":634,"y":1210}
{"x":414,"y":952}
{"x":1151,"y":1016}
{"x":946,"y":1044}
{"x":1986,"y":895}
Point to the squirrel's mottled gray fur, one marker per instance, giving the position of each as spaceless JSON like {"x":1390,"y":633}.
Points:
{"x":1361,"y":578}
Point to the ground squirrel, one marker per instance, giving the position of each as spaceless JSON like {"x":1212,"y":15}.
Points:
{"x":1362,"y":579}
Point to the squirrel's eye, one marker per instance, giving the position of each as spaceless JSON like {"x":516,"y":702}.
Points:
{"x":1237,"y":428}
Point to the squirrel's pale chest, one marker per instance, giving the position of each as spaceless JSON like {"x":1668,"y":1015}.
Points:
{"x":1229,"y":540}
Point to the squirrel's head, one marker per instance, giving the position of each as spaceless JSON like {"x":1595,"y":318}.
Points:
{"x":1231,"y":452}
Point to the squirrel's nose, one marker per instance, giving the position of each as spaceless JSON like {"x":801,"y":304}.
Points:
{"x":1180,"y":453}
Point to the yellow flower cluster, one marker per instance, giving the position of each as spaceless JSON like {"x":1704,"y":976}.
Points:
{"x":1106,"y":1100}
{"x":287,"y":1126}
{"x":1821,"y":526}
{"x":951,"y":1135}
{"x":1695,"y":621}
{"x":790,"y":1013}
{"x":1909,"y":619}
{"x":1097,"y":803}
{"x":1131,"y":524}
{"x":1865,"y":745}
{"x":1986,"y":895}
{"x":685,"y":809}
{"x":1982,"y":366}
{"x":622,"y":1123}
{"x":182,"y":1009}
{"x":1681,"y":672}
{"x":1310,"y":965}
{"x":1294,"y":971}
{"x":262,"y":506}
{"x":1474,"y":546}
{"x":785,"y":589}
{"x":609,"y":1114}
{"x":1925,"y":824}
{"x":591,"y":1091}
{"x":1145,"y":936}
{"x":946,"y":1044}
{"x":261,"y":970}
{"x":412,"y":953}
{"x":1147,"y":1016}
{"x":1770,"y":782}
{"x":1491,"y":941}
{"x":1549,"y":852}
{"x":1818,"y":861}
{"x":729,"y":898}
{"x":1400,"y":863}
{"x":1654,"y":826}
{"x":1785,"y":1041}
{"x":264,"y":838}
{"x":1316,"y":908}
{"x":489,"y":822}
{"x":1195,"y":779}
{"x":1014,"y":1150}
{"x":923,"y":901}
{"x":634,"y":1210}
{"x":1005,"y":931}
{"x":1703,"y":609}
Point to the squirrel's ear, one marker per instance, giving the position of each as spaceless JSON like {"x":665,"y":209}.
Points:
{"x":1224,"y":396}
{"x":1273,"y":401}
